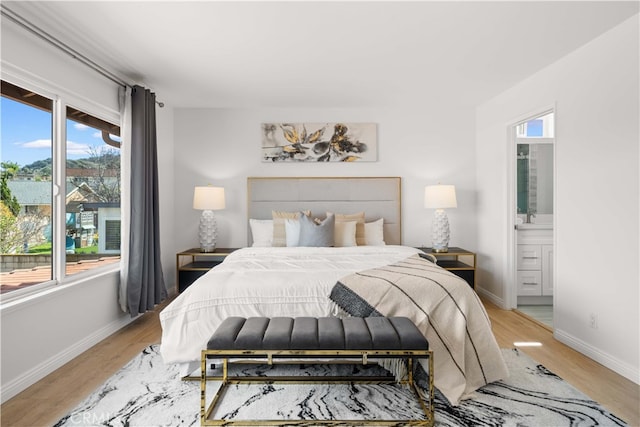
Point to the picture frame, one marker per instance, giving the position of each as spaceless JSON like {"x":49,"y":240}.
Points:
{"x":319,"y":142}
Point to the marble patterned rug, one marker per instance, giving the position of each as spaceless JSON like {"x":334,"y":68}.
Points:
{"x":148,"y":393}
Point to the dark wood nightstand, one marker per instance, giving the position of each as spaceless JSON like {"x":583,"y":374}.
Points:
{"x":192,"y":263}
{"x":460,"y":262}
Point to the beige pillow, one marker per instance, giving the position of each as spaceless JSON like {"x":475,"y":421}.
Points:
{"x":279,"y":233}
{"x":359,"y":218}
{"x":345,"y":234}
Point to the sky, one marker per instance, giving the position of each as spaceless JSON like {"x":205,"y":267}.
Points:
{"x":25,"y":134}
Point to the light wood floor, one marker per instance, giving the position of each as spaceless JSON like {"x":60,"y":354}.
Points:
{"x":48,"y":400}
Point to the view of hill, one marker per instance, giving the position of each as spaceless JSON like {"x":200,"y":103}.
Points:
{"x":108,"y":160}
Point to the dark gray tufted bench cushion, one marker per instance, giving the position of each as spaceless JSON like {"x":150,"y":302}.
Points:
{"x":310,"y":333}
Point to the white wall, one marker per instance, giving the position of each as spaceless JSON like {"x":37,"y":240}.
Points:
{"x":42,"y":333}
{"x":222,"y":147}
{"x":595,"y":90}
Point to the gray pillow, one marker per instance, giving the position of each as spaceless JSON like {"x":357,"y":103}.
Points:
{"x":316,"y":235}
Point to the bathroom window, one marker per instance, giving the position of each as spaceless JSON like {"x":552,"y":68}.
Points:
{"x":539,"y":127}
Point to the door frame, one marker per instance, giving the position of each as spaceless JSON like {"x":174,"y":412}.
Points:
{"x":511,"y":291}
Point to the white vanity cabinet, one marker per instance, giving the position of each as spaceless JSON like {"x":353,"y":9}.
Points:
{"x":547,"y":270}
{"x":535,"y":262}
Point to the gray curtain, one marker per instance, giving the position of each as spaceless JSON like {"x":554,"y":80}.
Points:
{"x":145,"y":282}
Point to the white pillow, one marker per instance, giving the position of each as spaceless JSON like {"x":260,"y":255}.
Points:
{"x":292,"y":231}
{"x":262,"y":232}
{"x":279,"y":235}
{"x":374,"y":233}
{"x":345,"y":233}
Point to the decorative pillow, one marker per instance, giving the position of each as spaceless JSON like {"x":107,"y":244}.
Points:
{"x":261,"y":232}
{"x":279,"y":235}
{"x":317,"y":235}
{"x":374,"y":233}
{"x":292,"y":231}
{"x":345,"y":233}
{"x":359,"y":217}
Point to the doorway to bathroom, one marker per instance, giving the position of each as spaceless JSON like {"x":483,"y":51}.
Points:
{"x":532,"y":209}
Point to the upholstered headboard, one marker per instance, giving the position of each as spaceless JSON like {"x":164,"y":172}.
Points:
{"x":377,"y":197}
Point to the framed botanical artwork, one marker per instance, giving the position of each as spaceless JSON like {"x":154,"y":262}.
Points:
{"x":319,"y":142}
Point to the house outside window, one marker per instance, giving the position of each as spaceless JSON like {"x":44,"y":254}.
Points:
{"x":30,"y":227}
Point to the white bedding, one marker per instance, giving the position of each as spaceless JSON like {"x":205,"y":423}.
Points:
{"x":263,"y":282}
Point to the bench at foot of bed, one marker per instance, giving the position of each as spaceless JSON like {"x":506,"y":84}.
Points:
{"x":315,"y":340}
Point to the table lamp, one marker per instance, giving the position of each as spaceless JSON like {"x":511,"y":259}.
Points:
{"x":208,"y":199}
{"x":439,"y":197}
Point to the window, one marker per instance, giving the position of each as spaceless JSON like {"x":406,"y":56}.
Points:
{"x":25,"y":224}
{"x":92,"y":189}
{"x":112,"y":235}
{"x":31,"y":225}
{"x":539,"y":127}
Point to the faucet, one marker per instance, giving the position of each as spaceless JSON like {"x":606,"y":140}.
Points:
{"x":530,"y":214}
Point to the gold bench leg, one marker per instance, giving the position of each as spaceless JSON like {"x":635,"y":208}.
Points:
{"x":205,"y":412}
{"x":203,"y":386}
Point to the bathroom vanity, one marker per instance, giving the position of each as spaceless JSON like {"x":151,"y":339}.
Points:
{"x":535,"y":263}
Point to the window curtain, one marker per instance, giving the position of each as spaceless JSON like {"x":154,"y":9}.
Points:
{"x":142,"y":283}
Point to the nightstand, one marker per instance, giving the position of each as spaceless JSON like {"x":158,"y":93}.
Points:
{"x":460,"y":262}
{"x":192,"y":263}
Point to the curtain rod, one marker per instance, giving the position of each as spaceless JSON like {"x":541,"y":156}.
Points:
{"x":22,"y":22}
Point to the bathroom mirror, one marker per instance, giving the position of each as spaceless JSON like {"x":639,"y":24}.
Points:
{"x":534,"y":180}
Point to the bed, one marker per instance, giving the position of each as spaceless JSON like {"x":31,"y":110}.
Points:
{"x":272,"y":281}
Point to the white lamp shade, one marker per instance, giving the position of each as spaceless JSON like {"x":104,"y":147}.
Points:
{"x":440,"y":196}
{"x":208,"y":198}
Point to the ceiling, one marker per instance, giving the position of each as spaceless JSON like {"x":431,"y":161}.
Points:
{"x":302,"y":54}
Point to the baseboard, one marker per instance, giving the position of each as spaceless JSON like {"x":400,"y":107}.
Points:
{"x":38,"y":372}
{"x":483,"y":293}
{"x":630,"y":372}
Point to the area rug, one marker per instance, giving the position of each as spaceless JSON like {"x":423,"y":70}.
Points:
{"x":148,"y":393}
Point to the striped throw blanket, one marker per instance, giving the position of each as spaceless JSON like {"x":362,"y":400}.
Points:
{"x":444,"y":307}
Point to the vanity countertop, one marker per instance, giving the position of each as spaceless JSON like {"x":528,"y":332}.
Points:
{"x":529,"y":226}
